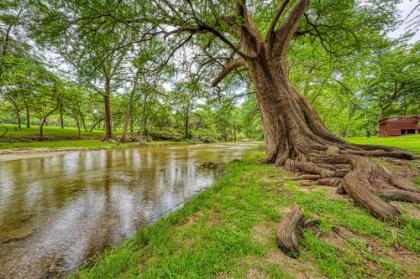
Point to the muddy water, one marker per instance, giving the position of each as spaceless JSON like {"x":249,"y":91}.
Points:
{"x":57,"y":212}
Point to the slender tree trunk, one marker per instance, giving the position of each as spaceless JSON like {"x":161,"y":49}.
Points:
{"x":129,"y":118}
{"x":17,"y":112}
{"x":44,"y":120}
{"x":144,"y":131}
{"x":41,"y":129}
{"x":96,"y":123}
{"x":186,"y":126}
{"x":28,"y":115}
{"x":107,"y":105}
{"x":78,"y":126}
{"x":61,"y":117}
{"x":131,"y":123}
{"x":83,"y":120}
{"x":19,"y":119}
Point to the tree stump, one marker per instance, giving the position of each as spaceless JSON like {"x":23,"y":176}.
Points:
{"x":289,"y":232}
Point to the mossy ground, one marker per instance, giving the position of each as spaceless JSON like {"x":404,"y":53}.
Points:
{"x":228,"y":231}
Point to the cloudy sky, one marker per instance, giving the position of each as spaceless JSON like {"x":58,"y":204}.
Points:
{"x":407,"y":6}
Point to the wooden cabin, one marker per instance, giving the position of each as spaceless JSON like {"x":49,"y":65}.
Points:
{"x":400,"y":125}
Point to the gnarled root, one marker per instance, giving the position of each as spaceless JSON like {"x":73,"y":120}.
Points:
{"x":289,"y":232}
{"x":354,"y":173}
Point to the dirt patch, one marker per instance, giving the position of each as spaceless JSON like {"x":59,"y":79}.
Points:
{"x":295,"y":267}
{"x":254,"y":273}
{"x":263,"y":233}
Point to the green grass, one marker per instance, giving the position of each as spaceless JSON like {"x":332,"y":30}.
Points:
{"x":49,"y":131}
{"x":66,"y":138}
{"x":411,"y":142}
{"x":229,"y":231}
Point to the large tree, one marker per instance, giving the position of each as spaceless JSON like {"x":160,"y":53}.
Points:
{"x":294,"y":133}
{"x":255,"y":36}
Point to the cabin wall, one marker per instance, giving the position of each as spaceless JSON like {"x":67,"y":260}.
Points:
{"x":399,"y":126}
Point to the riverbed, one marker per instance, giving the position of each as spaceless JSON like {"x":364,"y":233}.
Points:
{"x":59,"y":212}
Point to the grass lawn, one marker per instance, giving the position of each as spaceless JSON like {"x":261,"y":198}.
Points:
{"x":411,"y":142}
{"x":81,"y":144}
{"x":228,"y":231}
{"x":66,"y":139}
{"x":49,"y":131}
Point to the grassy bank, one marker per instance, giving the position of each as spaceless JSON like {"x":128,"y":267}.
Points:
{"x":65,"y":139}
{"x":411,"y":142}
{"x":228,"y":231}
{"x":82,"y":144}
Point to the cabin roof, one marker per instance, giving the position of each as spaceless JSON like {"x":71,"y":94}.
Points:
{"x":399,"y":118}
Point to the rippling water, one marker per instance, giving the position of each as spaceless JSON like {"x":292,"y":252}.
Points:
{"x":56,"y":212}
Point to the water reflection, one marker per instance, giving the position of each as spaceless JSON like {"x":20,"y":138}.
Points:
{"x":56,"y":212}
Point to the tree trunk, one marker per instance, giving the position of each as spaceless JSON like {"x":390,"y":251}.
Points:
{"x":41,"y":129}
{"x":107,"y":105}
{"x":292,"y":129}
{"x":19,"y":119}
{"x":17,"y":111}
{"x":186,"y":126}
{"x":61,"y":117}
{"x":295,"y":135}
{"x":131,"y":123}
{"x":44,"y":120}
{"x":129,"y":118}
{"x":28,"y":115}
{"x":78,"y":126}
{"x":96,"y":123}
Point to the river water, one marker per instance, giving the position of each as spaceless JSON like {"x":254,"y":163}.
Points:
{"x":57,"y":212}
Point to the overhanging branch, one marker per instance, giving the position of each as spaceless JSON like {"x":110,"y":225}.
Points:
{"x":230,"y":67}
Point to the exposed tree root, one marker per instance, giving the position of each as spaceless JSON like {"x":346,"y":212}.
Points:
{"x":354,"y":173}
{"x":289,"y":232}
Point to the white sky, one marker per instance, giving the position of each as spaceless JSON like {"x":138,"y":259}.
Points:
{"x":406,"y":6}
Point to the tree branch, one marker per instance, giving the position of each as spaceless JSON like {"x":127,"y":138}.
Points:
{"x":286,"y":31}
{"x":231,"y":66}
{"x":273,"y":24}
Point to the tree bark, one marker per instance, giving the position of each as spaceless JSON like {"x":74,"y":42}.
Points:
{"x":61,"y":117}
{"x":28,"y":115}
{"x":44,"y":119}
{"x":289,"y":232}
{"x":186,"y":126}
{"x":129,"y":117}
{"x":292,"y":129}
{"x":78,"y":126}
{"x":17,"y":111}
{"x":107,"y":106}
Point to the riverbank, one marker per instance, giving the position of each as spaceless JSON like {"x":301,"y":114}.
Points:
{"x":228,"y":231}
{"x":34,"y":149}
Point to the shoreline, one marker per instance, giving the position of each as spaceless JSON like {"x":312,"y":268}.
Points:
{"x":13,"y":154}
